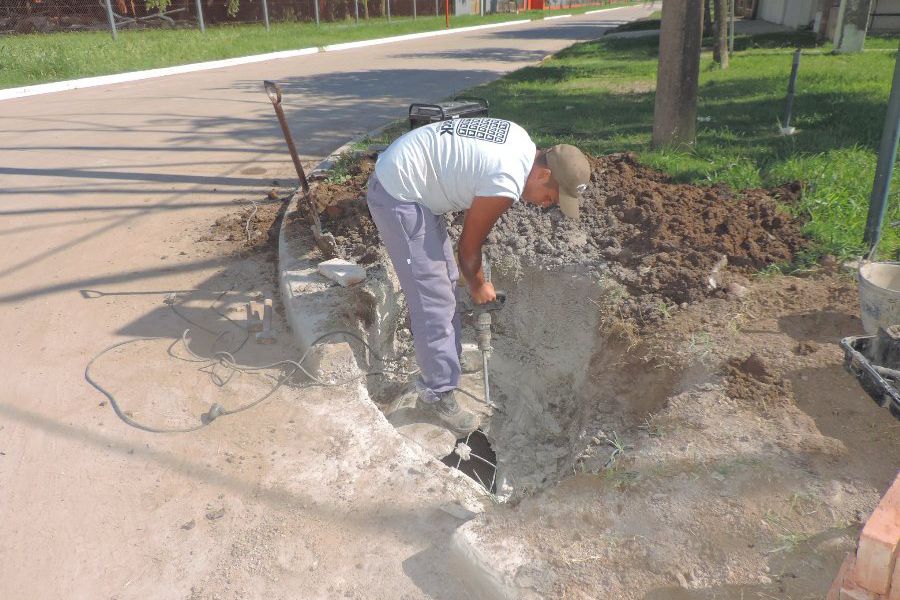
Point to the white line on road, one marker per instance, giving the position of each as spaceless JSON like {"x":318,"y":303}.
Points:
{"x":558,"y":17}
{"x":86,"y":82}
{"x":600,"y":10}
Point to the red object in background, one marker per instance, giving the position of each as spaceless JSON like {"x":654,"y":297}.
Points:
{"x":447,"y":12}
{"x":536,"y":5}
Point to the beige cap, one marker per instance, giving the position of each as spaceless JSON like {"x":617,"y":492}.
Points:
{"x":571,"y":169}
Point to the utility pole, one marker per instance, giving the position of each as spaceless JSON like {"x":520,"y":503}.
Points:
{"x":887,"y":154}
{"x":675,"y":113}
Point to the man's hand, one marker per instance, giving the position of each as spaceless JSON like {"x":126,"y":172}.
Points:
{"x":483,"y":294}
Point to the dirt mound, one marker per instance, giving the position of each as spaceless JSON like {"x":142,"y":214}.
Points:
{"x":342,"y":203}
{"x":662,"y":241}
{"x":251,"y":226}
{"x":665,"y":243}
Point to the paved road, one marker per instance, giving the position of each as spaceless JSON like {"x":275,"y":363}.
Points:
{"x":107,"y":189}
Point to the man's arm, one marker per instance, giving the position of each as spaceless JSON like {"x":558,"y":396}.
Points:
{"x":479,"y":220}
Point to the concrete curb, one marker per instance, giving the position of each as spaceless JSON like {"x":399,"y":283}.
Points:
{"x":87,"y":82}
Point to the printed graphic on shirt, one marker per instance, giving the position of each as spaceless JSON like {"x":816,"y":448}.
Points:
{"x":489,"y":130}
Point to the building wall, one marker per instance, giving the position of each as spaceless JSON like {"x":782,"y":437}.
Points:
{"x":792,"y":13}
{"x":885,"y":22}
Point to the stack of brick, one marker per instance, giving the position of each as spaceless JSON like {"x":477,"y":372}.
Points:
{"x":874,"y":572}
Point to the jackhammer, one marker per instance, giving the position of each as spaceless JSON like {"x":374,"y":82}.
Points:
{"x":483,"y":320}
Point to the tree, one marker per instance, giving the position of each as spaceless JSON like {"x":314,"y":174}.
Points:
{"x":720,"y":46}
{"x":707,"y":18}
{"x":675,"y":111}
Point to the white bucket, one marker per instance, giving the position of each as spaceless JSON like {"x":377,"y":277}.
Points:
{"x":879,"y":295}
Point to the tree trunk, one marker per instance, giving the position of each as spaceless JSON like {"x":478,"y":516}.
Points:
{"x":675,"y":111}
{"x":707,"y":18}
{"x":720,"y":47}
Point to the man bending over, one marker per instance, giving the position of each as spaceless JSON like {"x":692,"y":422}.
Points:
{"x":481,"y":166}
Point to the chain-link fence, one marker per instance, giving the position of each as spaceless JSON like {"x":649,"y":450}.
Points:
{"x":45,"y":16}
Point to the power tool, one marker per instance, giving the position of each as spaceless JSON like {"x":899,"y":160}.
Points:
{"x":483,"y":321}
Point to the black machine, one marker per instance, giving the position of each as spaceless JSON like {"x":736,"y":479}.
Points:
{"x":875,"y":362}
{"x":458,"y":108}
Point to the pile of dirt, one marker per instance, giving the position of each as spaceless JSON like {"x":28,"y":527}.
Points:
{"x":749,"y":380}
{"x":666,"y":243}
{"x":341,"y":199}
{"x":251,"y":226}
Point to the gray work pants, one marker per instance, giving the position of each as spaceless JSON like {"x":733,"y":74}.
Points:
{"x":420,"y":249}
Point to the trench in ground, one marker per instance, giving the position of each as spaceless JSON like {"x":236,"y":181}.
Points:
{"x":560,"y":382}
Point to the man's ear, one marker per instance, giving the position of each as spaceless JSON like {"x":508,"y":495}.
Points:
{"x":543,"y":175}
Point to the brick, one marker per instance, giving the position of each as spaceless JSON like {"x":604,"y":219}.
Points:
{"x":835,"y":592}
{"x":895,"y":583}
{"x":877,"y":552}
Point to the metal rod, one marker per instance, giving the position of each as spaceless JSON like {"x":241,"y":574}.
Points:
{"x":414,"y":9}
{"x":481,"y":6}
{"x":316,"y":8}
{"x":200,"y":17}
{"x":447,"y":14}
{"x":273,"y":90}
{"x":112,"y":20}
{"x":356,"y":10}
{"x":887,"y":153}
{"x":388,"y":2}
{"x":475,"y":473}
{"x":792,"y":84}
{"x":731,"y":30}
{"x":265,"y":7}
{"x":437,"y":8}
{"x":484,"y":460}
{"x":487,"y":386}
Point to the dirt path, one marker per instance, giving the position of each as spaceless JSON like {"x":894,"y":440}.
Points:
{"x":106,"y":193}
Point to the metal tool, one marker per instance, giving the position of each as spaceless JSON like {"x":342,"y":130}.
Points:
{"x":266,"y":336}
{"x":254,"y":323}
{"x":483,"y":322}
{"x":273,"y":91}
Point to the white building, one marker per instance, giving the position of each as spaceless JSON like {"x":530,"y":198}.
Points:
{"x":822,"y":14}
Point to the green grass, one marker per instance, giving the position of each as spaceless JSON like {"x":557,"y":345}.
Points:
{"x":41,"y":58}
{"x":600,"y":96}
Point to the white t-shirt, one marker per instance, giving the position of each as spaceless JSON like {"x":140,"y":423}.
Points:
{"x":444,"y":165}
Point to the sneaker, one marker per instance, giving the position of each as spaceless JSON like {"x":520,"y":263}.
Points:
{"x":448,"y":410}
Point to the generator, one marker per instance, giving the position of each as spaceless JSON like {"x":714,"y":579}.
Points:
{"x":459,"y":108}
